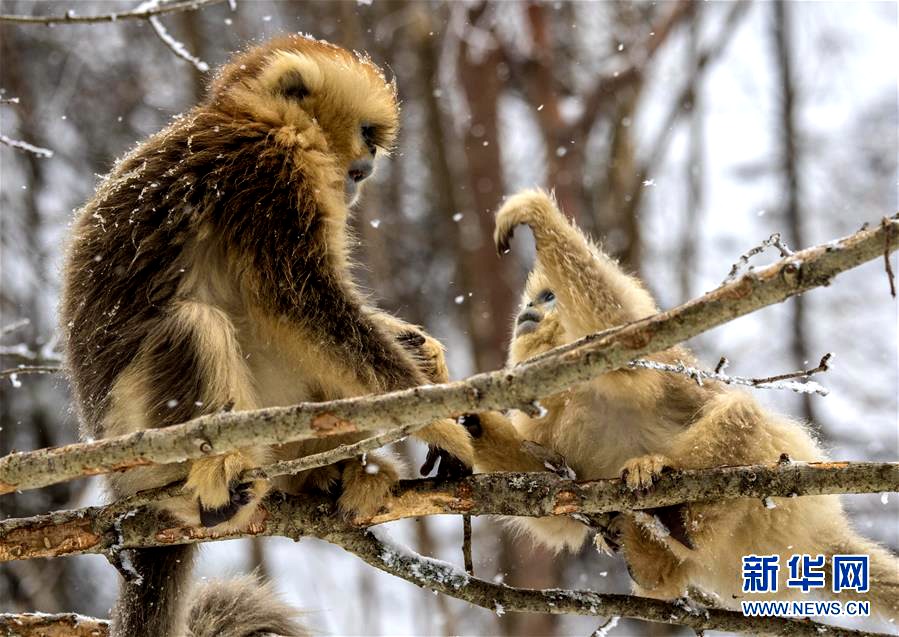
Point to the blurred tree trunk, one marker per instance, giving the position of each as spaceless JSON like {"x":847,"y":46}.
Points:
{"x":788,"y":140}
{"x":479,"y":73}
{"x":690,"y":241}
{"x":564,"y":151}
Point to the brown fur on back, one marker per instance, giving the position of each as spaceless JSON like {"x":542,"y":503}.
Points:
{"x":241,"y":607}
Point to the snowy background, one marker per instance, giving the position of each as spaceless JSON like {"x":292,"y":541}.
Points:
{"x":495,"y":97}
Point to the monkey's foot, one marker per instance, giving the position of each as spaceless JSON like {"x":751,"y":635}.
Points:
{"x":526,"y":208}
{"x":220,"y":496}
{"x":366,"y":487}
{"x":642,"y":471}
{"x":449,"y":467}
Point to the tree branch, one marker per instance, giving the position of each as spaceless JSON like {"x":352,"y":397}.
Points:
{"x":18,"y":144}
{"x":52,"y":625}
{"x":778,"y":381}
{"x":406,"y":411}
{"x":96,"y":529}
{"x":137,"y":14}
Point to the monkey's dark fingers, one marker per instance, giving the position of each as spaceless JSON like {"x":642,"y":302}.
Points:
{"x":672,"y":518}
{"x":430,"y":461}
{"x":448,"y":466}
{"x":472,"y":423}
{"x":240,"y":496}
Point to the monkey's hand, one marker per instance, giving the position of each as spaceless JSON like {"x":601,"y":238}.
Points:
{"x":642,"y":471}
{"x":220,"y":496}
{"x":530,"y":207}
{"x":428,"y":353}
{"x":449,"y":467}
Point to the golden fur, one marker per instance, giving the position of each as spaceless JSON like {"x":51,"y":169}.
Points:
{"x":211,"y":271}
{"x":634,"y":423}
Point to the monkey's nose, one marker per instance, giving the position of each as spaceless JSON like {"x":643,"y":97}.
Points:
{"x":529,"y":314}
{"x":360,"y":169}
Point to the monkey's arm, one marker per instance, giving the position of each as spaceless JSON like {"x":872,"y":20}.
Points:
{"x":592,"y":290}
{"x":190,"y":364}
{"x":499,"y":447}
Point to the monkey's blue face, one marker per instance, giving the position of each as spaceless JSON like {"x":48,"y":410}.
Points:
{"x":534,"y":312}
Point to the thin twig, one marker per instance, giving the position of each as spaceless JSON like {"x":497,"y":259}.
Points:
{"x":26,"y":147}
{"x":606,"y":627}
{"x":15,"y":325}
{"x":768,"y":382}
{"x":774,"y":240}
{"x":467,"y":559}
{"x":141,"y":13}
{"x":887,"y":248}
{"x":176,"y":46}
{"x":12,"y":372}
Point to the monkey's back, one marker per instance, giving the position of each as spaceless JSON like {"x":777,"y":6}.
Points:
{"x":130,"y":245}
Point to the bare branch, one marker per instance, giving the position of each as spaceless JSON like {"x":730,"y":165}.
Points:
{"x":13,"y":372}
{"x":26,"y":147}
{"x":176,"y":46}
{"x":52,"y":625}
{"x":15,"y":325}
{"x":141,"y":13}
{"x":97,"y":529}
{"x":887,"y":249}
{"x":773,"y":240}
{"x":406,"y":411}
{"x":443,"y":577}
{"x":780,"y":381}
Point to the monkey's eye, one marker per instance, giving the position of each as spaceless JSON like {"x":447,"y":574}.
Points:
{"x":546,"y":296}
{"x":291,"y":86}
{"x":370,"y":137}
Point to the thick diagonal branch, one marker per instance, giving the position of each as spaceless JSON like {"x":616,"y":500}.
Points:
{"x":409,"y":410}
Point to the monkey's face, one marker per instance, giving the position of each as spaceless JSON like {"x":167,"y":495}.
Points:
{"x":329,"y":99}
{"x":537,"y":325}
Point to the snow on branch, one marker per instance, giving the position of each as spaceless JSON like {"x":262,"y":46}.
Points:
{"x":773,"y":241}
{"x":142,"y":12}
{"x":779,"y":381}
{"x":47,"y":624}
{"x":149,"y":10}
{"x":399,"y":413}
{"x":104,"y":529}
{"x":26,"y":147}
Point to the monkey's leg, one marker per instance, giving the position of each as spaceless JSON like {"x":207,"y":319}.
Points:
{"x":210,"y":375}
{"x":593,"y":291}
{"x":446,"y":434}
{"x":656,"y":571}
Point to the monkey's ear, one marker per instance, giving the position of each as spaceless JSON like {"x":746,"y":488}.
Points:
{"x":291,"y":85}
